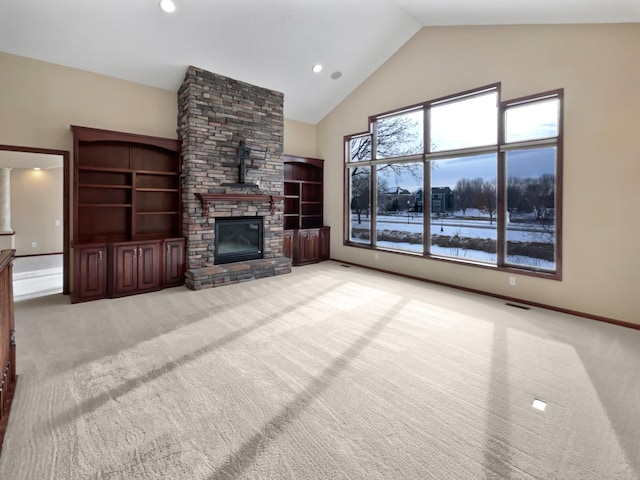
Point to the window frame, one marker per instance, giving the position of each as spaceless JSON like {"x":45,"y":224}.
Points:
{"x":504,"y":148}
{"x":500,"y":148}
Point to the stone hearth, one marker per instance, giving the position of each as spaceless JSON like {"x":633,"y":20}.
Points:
{"x":215,"y":114}
{"x":228,"y":273}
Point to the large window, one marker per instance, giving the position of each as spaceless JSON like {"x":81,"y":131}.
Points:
{"x":465,"y":178}
{"x":530,"y":146}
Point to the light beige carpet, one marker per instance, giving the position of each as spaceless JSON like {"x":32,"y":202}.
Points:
{"x":327,"y":373}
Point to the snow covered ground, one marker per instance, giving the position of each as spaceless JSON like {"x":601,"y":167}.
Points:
{"x":453,"y":226}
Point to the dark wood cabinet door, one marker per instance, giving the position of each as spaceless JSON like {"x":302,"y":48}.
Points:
{"x":287,"y":243}
{"x":90,"y":273}
{"x":174,"y":262}
{"x":308,"y":246}
{"x":149,"y":266}
{"x":324,"y":243}
{"x":125,"y":269}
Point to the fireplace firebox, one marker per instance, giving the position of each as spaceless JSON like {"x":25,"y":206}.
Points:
{"x":237,"y":239}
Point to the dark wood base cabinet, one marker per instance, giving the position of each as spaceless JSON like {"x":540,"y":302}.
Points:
{"x":90,"y":273}
{"x":135,"y":268}
{"x":8,"y":376}
{"x":306,"y":245}
{"x":127,"y":268}
{"x":288,"y":237}
{"x":324,"y":239}
{"x":174,"y":262}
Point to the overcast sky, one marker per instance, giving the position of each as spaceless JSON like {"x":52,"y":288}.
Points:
{"x":446,"y":173}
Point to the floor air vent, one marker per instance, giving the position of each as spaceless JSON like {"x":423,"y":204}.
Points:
{"x":515,"y":305}
{"x":345,"y":266}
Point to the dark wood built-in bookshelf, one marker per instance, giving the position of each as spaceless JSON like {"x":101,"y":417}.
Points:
{"x":306,"y":240}
{"x":127,"y":198}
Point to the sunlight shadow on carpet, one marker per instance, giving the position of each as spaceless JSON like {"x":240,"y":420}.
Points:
{"x":497,"y":451}
{"x":236,"y":464}
{"x":92,"y":404}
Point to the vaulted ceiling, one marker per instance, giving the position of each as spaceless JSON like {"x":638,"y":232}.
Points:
{"x":270,"y":43}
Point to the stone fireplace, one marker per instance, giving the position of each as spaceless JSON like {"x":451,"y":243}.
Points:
{"x":232,"y":146}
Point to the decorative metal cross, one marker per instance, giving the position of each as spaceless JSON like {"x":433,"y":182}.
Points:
{"x":243,"y":156}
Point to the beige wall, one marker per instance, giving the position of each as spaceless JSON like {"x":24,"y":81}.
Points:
{"x":36,"y":205}
{"x":40,"y":100}
{"x":598,"y":67}
{"x":300,"y":139}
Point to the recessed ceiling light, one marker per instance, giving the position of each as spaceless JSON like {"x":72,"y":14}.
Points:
{"x":167,"y":6}
{"x":539,"y":405}
{"x":317,"y":68}
{"x":37,"y":169}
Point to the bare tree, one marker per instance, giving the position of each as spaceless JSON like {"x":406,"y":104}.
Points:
{"x":465,"y":194}
{"x":540,"y":193}
{"x":360,"y":191}
{"x":396,"y":136}
{"x":487,"y":200}
{"x":515,"y":195}
{"x":360,"y":148}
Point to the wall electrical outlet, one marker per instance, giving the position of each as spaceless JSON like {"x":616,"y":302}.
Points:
{"x":57,"y":223}
{"x":512,"y":281}
{"x":376,"y":256}
{"x":34,"y":244}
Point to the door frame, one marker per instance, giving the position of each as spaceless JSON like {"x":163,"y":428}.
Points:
{"x":66,"y":250}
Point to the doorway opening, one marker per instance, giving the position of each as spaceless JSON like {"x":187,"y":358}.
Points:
{"x":37,"y":189}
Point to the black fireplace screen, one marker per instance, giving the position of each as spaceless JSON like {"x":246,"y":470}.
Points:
{"x":237,"y":239}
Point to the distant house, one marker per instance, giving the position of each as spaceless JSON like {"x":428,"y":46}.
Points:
{"x":397,"y":199}
{"x":419,"y":203}
{"x":441,"y":200}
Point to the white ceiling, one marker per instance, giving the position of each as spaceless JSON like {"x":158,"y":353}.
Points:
{"x":269,"y":43}
{"x":9,"y":159}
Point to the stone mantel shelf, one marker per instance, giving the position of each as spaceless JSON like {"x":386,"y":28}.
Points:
{"x":207,"y":198}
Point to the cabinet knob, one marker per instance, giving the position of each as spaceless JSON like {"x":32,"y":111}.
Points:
{"x":139,"y":252}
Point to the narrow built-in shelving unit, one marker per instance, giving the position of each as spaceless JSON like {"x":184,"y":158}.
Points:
{"x":306,"y":240}
{"x":303,"y":192}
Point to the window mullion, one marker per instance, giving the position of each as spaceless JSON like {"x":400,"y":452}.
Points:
{"x":426,"y":208}
{"x":426,"y":181}
{"x":399,"y":160}
{"x":373,"y":189}
{"x":501,"y":210}
{"x":463,"y":152}
{"x":552,"y":141}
